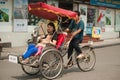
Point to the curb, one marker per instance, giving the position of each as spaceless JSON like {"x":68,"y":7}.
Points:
{"x":105,"y":45}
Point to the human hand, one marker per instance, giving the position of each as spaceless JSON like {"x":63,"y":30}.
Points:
{"x":39,"y":39}
{"x":67,"y":30}
{"x":73,"y":34}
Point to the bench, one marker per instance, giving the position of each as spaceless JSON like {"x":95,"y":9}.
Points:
{"x":4,"y":45}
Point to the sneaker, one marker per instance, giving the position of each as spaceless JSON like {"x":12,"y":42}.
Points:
{"x":80,"y":56}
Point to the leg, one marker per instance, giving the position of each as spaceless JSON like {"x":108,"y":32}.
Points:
{"x":76,"y":46}
{"x":30,"y":52}
{"x":70,"y":49}
{"x":39,"y":50}
{"x":30,"y":46}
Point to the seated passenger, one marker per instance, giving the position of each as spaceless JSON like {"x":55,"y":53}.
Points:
{"x":33,"y":49}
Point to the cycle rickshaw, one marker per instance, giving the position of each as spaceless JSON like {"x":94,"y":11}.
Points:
{"x":51,"y":61}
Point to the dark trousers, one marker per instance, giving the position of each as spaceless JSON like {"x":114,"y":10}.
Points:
{"x":74,"y":44}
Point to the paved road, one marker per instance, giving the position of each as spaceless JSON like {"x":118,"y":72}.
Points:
{"x":107,"y":68}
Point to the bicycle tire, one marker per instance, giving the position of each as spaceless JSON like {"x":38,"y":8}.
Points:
{"x":84,"y":64}
{"x":30,"y":70}
{"x":51,"y":64}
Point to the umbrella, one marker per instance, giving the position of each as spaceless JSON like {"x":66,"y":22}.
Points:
{"x":49,"y":12}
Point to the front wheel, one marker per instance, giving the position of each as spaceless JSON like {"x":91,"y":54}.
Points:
{"x":87,"y":63}
{"x":51,"y":64}
{"x":30,"y":70}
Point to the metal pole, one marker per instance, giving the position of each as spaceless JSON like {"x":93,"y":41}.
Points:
{"x":0,"y":56}
{"x":0,"y":52}
{"x":119,"y":34}
{"x":0,"y":49}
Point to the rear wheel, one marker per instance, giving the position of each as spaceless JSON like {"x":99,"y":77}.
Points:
{"x":88,"y":62}
{"x":51,"y":64}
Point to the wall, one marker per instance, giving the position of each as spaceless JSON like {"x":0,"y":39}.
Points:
{"x":6,"y":27}
{"x":17,"y":38}
{"x":108,"y":30}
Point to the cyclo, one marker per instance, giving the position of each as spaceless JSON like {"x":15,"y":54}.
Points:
{"x":50,"y":63}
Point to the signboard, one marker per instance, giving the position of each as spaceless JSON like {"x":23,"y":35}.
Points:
{"x":96,"y":32}
{"x":20,"y":25}
{"x":89,"y":28}
{"x":107,"y":3}
{"x":20,"y":15}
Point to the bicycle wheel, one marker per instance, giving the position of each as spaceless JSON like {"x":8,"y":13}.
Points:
{"x":51,"y":64}
{"x":87,"y":63}
{"x":30,"y":70}
{"x":63,"y":51}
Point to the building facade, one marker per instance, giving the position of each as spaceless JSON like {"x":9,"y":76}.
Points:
{"x":16,"y":24}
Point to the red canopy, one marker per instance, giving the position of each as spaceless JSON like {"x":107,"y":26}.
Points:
{"x":49,"y":12}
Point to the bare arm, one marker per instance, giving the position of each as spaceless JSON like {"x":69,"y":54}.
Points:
{"x":53,"y":42}
{"x":75,"y":33}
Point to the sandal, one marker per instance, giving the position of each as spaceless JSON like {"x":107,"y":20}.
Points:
{"x":20,"y":59}
{"x":81,"y":56}
{"x":23,"y":61}
{"x":70,"y":64}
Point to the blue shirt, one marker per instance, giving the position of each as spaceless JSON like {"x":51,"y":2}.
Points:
{"x":74,"y":27}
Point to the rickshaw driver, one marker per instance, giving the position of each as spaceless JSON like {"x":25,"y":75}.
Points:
{"x":77,"y":26}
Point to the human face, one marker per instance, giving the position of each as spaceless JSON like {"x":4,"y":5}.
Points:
{"x":50,"y":29}
{"x":77,"y":17}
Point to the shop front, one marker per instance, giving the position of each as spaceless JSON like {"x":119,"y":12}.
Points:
{"x":100,"y":15}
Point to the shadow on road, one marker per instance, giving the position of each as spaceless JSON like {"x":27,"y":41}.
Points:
{"x":27,"y":77}
{"x":71,"y":69}
{"x":40,"y":77}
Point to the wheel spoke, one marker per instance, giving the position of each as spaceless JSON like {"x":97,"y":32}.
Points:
{"x":87,"y":63}
{"x":53,"y":62}
{"x":30,"y":70}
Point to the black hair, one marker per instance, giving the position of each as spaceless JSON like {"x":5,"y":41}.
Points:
{"x":78,"y":13}
{"x":52,"y":25}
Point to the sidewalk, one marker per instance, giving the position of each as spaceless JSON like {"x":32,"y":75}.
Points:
{"x":21,"y":50}
{"x":106,"y":43}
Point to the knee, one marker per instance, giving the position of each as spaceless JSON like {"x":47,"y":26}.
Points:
{"x":31,"y":46}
